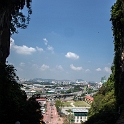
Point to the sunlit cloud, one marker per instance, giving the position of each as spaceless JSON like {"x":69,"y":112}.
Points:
{"x":25,"y":50}
{"x":21,"y":49}
{"x":98,"y":69}
{"x":75,"y":68}
{"x":39,"y":49}
{"x":35,"y":66}
{"x":50,"y":48}
{"x":107,"y":69}
{"x":45,"y":41}
{"x":44,"y":67}
{"x":19,"y":69}
{"x":87,"y":70}
{"x":22,"y":64}
{"x":72,"y":55}
{"x":11,"y":42}
{"x":59,"y":67}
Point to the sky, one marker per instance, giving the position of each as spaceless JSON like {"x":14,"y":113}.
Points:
{"x":65,"y":39}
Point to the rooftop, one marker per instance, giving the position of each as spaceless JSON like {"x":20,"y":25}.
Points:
{"x":80,"y":110}
{"x":41,"y":99}
{"x":89,"y":97}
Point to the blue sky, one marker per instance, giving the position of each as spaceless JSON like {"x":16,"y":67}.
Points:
{"x":66,"y":39}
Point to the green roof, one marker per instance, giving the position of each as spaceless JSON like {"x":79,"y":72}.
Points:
{"x":80,"y":113}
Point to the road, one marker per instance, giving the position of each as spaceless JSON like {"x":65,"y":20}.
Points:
{"x":51,"y":116}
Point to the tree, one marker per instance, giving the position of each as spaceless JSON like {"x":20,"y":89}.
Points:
{"x":14,"y":105}
{"x":32,"y":112}
{"x":117,"y":19}
{"x":103,"y":108}
{"x":11,"y":18}
{"x":65,"y":120}
{"x":59,"y":104}
{"x":12,"y":98}
{"x":70,"y":116}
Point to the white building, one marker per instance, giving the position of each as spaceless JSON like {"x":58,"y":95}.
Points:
{"x":42,"y":102}
{"x":80,"y":115}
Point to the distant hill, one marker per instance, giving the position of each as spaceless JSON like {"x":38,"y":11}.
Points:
{"x":79,"y":80}
{"x":41,"y":80}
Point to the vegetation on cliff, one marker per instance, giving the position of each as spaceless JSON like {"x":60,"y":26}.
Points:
{"x":108,"y":102}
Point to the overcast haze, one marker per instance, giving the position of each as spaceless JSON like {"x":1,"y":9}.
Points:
{"x":65,"y":39}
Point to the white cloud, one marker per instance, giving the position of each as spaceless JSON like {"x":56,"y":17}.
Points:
{"x":45,"y":41}
{"x":44,"y":67}
{"x":19,"y":69}
{"x":75,"y":68}
{"x":39,"y":49}
{"x":11,"y":42}
{"x":107,"y":69}
{"x":59,"y":67}
{"x":72,"y":55}
{"x":21,"y":49}
{"x":50,"y":48}
{"x":87,"y":70}
{"x":109,"y":63}
{"x":22,"y":64}
{"x":25,"y":50}
{"x":98,"y":69}
{"x":35,"y":66}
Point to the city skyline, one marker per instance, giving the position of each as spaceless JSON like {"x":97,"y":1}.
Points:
{"x":65,"y":40}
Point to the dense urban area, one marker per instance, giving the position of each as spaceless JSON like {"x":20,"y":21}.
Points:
{"x":62,"y":100}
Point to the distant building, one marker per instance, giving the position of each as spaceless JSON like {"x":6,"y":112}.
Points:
{"x":81,"y":82}
{"x":89,"y":99}
{"x":29,"y":92}
{"x":41,"y":101}
{"x":51,"y":91}
{"x":103,"y":79}
{"x":53,"y":82}
{"x":80,"y":115}
{"x":99,"y":85}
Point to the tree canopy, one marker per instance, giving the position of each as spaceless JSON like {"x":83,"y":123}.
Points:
{"x":14,"y":105}
{"x":11,"y":18}
{"x":117,"y":19}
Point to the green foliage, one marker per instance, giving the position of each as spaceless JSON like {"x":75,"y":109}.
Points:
{"x":117,"y":19}
{"x":81,"y":104}
{"x":103,"y":109}
{"x":59,"y":104}
{"x":75,"y":89}
{"x":89,"y":90}
{"x":66,"y":104}
{"x":12,"y":16}
{"x":13,"y":101}
{"x":32,"y":113}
